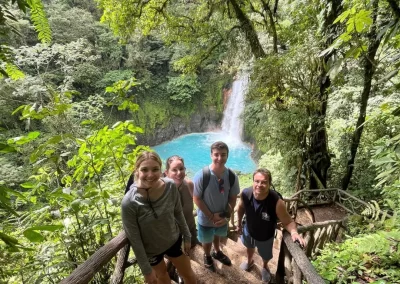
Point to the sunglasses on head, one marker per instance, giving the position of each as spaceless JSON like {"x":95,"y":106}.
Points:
{"x":221,"y":185}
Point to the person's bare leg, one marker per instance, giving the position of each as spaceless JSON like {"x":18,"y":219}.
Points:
{"x":182,"y":264}
{"x":207,"y":249}
{"x":161,"y":272}
{"x":250,"y":254}
{"x":216,"y":243}
{"x":265,"y":265}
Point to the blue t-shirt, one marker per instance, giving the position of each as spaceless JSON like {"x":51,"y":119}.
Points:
{"x":215,"y":200}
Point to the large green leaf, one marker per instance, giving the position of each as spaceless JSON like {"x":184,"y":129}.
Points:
{"x":50,"y":228}
{"x":33,"y":236}
{"x":8,"y":239}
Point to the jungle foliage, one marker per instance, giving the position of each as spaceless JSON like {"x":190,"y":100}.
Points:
{"x":81,"y":84}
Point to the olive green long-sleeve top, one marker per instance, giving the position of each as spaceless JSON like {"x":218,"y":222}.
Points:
{"x":150,"y":236}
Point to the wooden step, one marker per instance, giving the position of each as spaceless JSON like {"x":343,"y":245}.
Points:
{"x":239,"y":248}
{"x":232,"y":274}
{"x":238,"y":258}
{"x":205,"y":276}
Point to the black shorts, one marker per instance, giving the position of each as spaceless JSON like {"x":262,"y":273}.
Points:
{"x":174,"y":251}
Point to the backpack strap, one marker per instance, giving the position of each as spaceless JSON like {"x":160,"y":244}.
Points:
{"x":231,"y":177}
{"x":206,"y":179}
{"x":207,"y":174}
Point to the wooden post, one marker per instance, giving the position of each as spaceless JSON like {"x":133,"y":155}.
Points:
{"x":310,"y":243}
{"x":280,"y":271}
{"x":309,"y":272}
{"x":316,"y":238}
{"x":288,"y":265}
{"x":335,"y":235}
{"x":296,"y":273}
{"x":119,"y":270}
{"x":322,"y":238}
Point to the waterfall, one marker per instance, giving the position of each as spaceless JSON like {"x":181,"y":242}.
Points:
{"x":232,"y":123}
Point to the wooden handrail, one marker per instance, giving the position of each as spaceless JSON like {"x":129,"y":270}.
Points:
{"x":301,"y":261}
{"x":313,"y":190}
{"x":312,"y":227}
{"x":86,"y":271}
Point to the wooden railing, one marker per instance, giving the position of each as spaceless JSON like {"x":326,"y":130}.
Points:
{"x":343,"y":199}
{"x":86,"y":271}
{"x":294,"y":265}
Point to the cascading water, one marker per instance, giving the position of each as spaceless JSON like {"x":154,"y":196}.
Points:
{"x":232,"y":123}
{"x":195,"y":147}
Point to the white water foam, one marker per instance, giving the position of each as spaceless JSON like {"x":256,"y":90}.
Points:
{"x":232,"y":124}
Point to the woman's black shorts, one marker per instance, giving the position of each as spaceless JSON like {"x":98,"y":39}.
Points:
{"x":174,"y":251}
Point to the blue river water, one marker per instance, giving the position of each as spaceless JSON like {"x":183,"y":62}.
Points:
{"x":194,"y":148}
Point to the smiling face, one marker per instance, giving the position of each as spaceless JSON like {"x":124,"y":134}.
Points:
{"x":219,"y":157}
{"x":149,"y":172}
{"x":176,"y":171}
{"x":260,"y":184}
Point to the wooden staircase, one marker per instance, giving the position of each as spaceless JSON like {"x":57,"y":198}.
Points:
{"x":236,"y":251}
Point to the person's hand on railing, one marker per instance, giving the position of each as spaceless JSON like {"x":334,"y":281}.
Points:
{"x":151,"y":278}
{"x":298,"y":239}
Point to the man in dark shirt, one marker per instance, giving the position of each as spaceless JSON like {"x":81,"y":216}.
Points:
{"x":263,"y":207}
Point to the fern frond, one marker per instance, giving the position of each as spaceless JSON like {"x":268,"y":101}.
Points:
{"x":39,"y":19}
{"x":14,"y":72}
{"x":377,"y":210}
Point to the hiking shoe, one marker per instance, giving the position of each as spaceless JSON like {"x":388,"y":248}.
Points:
{"x":209,"y":263}
{"x":265,"y":275}
{"x":221,"y":257}
{"x":246,"y":266}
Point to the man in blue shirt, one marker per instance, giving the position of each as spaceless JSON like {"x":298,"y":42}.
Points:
{"x":214,"y":204}
{"x":263,"y":207}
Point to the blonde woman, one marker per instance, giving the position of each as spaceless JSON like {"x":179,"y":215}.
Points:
{"x":154,"y":223}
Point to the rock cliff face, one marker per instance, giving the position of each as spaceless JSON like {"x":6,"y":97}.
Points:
{"x":202,"y":121}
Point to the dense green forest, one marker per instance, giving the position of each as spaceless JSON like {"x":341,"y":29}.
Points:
{"x":84,"y":84}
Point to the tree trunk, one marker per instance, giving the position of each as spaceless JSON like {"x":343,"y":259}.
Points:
{"x":319,"y":153}
{"x":248,"y":29}
{"x":273,"y":27}
{"x":369,"y":71}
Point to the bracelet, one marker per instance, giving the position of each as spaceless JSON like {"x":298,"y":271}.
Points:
{"x":293,"y":232}
{"x":212,"y":217}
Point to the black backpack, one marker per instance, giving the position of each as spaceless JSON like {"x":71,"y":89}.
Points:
{"x":130,"y":182}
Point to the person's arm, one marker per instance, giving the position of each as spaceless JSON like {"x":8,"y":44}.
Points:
{"x":203,"y":207}
{"x":190,"y":187}
{"x":233,"y":193}
{"x":131,"y":227}
{"x":197,"y":196}
{"x":180,"y":218}
{"x":287,"y":222}
{"x":240,"y":213}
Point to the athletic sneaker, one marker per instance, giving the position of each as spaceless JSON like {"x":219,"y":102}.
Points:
{"x":209,"y":263}
{"x":221,"y":257}
{"x":265,"y":275}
